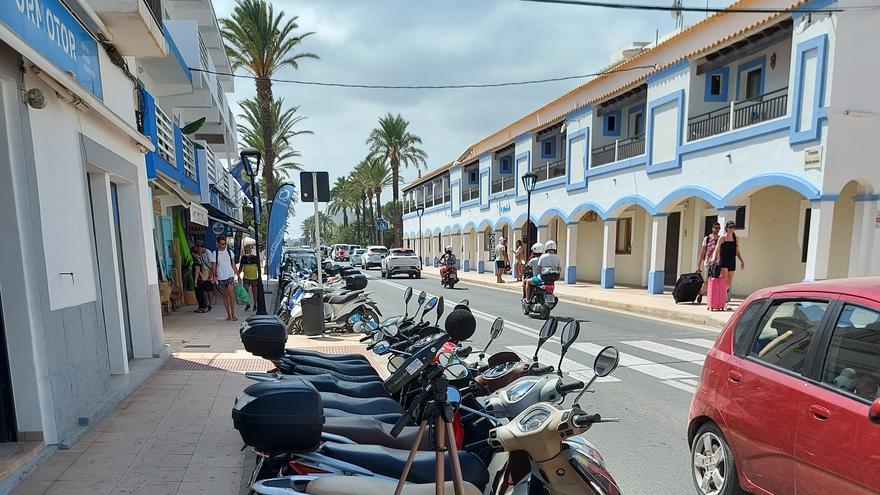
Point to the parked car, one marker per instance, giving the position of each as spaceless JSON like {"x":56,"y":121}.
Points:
{"x":339,"y":252}
{"x":787,"y":402}
{"x":352,"y":247}
{"x":401,"y":260}
{"x":373,"y":256}
{"x":356,"y":256}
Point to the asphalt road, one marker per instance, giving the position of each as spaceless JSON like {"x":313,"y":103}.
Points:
{"x":650,"y":392}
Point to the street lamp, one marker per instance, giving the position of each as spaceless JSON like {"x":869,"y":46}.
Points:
{"x":419,"y":212}
{"x":250,"y":159}
{"x":529,"y":179}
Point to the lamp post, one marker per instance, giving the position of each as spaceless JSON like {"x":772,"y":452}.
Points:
{"x":419,"y":212}
{"x":250,"y":158}
{"x":529,"y":179}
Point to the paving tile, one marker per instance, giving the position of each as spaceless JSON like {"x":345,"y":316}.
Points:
{"x":215,"y":475}
{"x":94,"y":472}
{"x":207,"y":488}
{"x":161,"y":460}
{"x":31,"y":487}
{"x":217,"y":459}
{"x":115,"y":447}
{"x":87,"y":487}
{"x":153,"y":488}
{"x":54,"y":466}
{"x":152,"y":474}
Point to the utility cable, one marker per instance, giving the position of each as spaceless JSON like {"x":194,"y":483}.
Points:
{"x":428,"y":86}
{"x":707,"y":9}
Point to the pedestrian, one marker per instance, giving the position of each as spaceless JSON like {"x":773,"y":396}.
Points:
{"x":519,"y":259}
{"x":250,"y":271}
{"x":209,"y":272}
{"x":502,"y":261}
{"x":726,"y":253}
{"x":197,"y":279}
{"x":226,"y":275}
{"x":707,"y":251}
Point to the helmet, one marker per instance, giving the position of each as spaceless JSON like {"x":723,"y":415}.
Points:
{"x":537,"y":248}
{"x":550,"y":245}
{"x":448,"y":249}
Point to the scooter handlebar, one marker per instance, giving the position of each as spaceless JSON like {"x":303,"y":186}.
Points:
{"x":541,"y":370}
{"x":571,"y":387}
{"x":587,"y":420}
{"x":365,"y":338}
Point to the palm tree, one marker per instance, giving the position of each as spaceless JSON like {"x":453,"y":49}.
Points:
{"x":261,"y":42}
{"x":340,"y":198}
{"x":395,"y":145}
{"x":283,"y":122}
{"x":376,"y":176}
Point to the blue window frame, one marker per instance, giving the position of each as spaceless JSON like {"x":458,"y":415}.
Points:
{"x":505,"y":165}
{"x":548,"y":148}
{"x":636,"y":122}
{"x":611,"y":123}
{"x":717,"y":82}
{"x":748,"y":67}
{"x":473,"y":176}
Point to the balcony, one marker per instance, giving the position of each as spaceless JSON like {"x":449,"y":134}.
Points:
{"x":470,"y":193}
{"x":503,"y":183}
{"x":136,"y":26}
{"x":620,"y":149}
{"x":550,"y":170}
{"x":174,"y":156}
{"x":743,"y":113}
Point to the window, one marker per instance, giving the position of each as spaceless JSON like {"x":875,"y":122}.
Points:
{"x":637,"y":120}
{"x":506,"y":164}
{"x":624,"y":236}
{"x":548,"y":148}
{"x":473,"y":176}
{"x":740,"y":218}
{"x":747,"y":321}
{"x":716,"y":84}
{"x":786,"y":331}
{"x":754,"y":83}
{"x":805,"y":240}
{"x":852,"y":363}
{"x":612,"y":124}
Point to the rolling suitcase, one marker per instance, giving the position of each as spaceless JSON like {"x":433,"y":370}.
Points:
{"x":687,"y":287}
{"x":717,"y":295}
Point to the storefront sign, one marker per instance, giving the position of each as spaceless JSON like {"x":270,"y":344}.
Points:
{"x":49,"y":28}
{"x":198,"y":214}
{"x":218,"y":228}
{"x":813,"y":158}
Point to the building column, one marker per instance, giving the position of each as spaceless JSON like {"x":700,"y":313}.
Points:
{"x":656,"y":273}
{"x":571,"y":236}
{"x":480,"y":241}
{"x":457,"y":250}
{"x":543,"y":233}
{"x":609,"y":247}
{"x":864,"y":237}
{"x":819,"y":243}
{"x":465,"y":258}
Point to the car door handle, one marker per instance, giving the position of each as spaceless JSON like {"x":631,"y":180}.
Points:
{"x":734,"y":376}
{"x":820,"y":413}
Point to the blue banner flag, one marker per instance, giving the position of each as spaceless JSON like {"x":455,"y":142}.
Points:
{"x":277,"y":222}
{"x":244,"y":181}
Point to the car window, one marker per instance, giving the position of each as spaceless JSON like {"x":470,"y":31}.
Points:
{"x":744,"y":325}
{"x":380,"y":250}
{"x":852,"y":363}
{"x":404,"y":252}
{"x":786,"y":331}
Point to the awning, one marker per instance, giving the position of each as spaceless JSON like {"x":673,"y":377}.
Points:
{"x":174,"y":190}
{"x":198,"y":214}
{"x":235,"y":224}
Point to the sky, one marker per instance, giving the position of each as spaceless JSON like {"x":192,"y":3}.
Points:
{"x":438,"y":42}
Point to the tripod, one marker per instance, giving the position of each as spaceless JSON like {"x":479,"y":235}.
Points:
{"x":438,"y":413}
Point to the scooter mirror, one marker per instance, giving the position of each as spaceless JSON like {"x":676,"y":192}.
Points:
{"x":382,"y":347}
{"x":606,"y":361}
{"x":392,"y":330}
{"x":440,"y":305}
{"x":422,"y":296}
{"x":455,"y":369}
{"x":395,"y":363}
{"x":407,"y":295}
{"x":497,"y":327}
{"x":547,"y":331}
{"x":430,"y":304}
{"x":570,"y":333}
{"x":453,"y":396}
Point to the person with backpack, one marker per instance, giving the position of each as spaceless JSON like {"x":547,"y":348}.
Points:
{"x":726,"y":254}
{"x":707,"y":251}
{"x":226,"y":275}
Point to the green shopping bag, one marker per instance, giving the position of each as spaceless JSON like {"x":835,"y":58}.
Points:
{"x":241,"y":295}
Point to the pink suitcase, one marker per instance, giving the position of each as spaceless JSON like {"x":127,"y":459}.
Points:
{"x":717,"y":295}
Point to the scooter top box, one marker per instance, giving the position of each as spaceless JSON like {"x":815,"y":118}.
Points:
{"x":356,"y":281}
{"x":264,"y":336}
{"x":280,"y":417}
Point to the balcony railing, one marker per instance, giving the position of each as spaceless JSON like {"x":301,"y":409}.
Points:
{"x":189,"y":159}
{"x":743,"y":113}
{"x":155,"y":7}
{"x":203,"y":54}
{"x":503,"y":183}
{"x":550,"y":170}
{"x":165,"y":136}
{"x":470,"y":193}
{"x":620,"y":149}
{"x":211,"y":165}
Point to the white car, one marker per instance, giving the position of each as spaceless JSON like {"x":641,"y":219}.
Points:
{"x":373,"y":256}
{"x":402,"y":260}
{"x":356,"y":256}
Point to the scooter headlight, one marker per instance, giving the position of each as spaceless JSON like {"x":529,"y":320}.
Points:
{"x":520,"y":389}
{"x":533,"y":420}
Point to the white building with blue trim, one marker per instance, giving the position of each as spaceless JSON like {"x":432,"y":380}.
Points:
{"x":766,"y":119}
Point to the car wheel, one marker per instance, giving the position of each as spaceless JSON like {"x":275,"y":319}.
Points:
{"x":712,"y":465}
{"x":418,"y":274}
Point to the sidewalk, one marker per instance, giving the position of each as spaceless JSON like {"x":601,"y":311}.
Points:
{"x":635,"y":300}
{"x":174,"y":434}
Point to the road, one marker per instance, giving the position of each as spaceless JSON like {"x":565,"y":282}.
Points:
{"x":650,"y":392}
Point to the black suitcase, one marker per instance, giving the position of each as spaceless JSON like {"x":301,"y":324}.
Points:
{"x":280,"y":417}
{"x":687,"y":287}
{"x":264,"y":336}
{"x":357,"y":281}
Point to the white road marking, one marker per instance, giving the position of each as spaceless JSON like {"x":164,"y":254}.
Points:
{"x":705,"y":343}
{"x":656,"y":370}
{"x":666,"y":350}
{"x":681,"y":386}
{"x":569,"y":367}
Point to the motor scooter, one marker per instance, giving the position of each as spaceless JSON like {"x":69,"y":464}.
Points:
{"x":338,"y":307}
{"x":448,"y":274}
{"x":542,"y":300}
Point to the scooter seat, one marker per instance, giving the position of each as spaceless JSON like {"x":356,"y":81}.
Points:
{"x":326,"y":355}
{"x":348,"y":368}
{"x":390,"y":462}
{"x":367,"y":430}
{"x":346,"y":485}
{"x":361,"y":405}
{"x":389,"y":418}
{"x":330,"y":384}
{"x":344,"y":298}
{"x":299,"y":369}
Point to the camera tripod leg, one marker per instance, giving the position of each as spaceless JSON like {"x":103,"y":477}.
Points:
{"x":440,"y":446}
{"x":412,"y":455}
{"x":457,"y":480}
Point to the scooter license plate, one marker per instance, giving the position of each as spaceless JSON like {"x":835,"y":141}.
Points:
{"x":549,"y":299}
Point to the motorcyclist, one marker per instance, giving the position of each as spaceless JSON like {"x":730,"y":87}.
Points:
{"x":446,"y":260}
{"x":531,"y":268}
{"x":549,"y":260}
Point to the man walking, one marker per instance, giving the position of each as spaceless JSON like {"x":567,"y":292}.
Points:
{"x":251,"y":273}
{"x":226,"y":275}
{"x":502,"y":259}
{"x":209,"y":274}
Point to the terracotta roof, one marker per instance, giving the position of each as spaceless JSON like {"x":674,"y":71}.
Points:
{"x":430,"y":175}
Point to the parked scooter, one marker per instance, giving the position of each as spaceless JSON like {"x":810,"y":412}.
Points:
{"x":337,"y":310}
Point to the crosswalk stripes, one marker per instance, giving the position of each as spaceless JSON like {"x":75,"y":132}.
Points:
{"x":571,"y":368}
{"x":704,"y":343}
{"x":667,"y":350}
{"x":666,"y":374}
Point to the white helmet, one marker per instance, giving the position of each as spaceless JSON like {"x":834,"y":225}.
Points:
{"x":550,"y":245}
{"x":537,"y":248}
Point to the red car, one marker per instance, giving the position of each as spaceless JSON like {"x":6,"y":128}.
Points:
{"x":788,"y":397}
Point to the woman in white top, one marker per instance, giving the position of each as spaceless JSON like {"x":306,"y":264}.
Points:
{"x":226,"y":275}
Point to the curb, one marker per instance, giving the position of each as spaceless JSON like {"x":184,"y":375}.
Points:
{"x":635,"y":309}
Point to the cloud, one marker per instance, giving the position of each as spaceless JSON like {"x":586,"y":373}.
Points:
{"x":434,"y":42}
